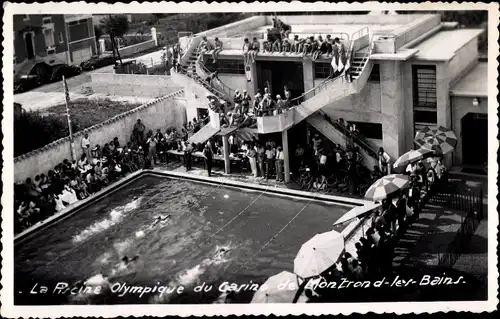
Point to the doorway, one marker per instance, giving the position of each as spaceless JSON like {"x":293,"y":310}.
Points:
{"x":30,"y":50}
{"x":475,"y":138}
{"x":275,"y":75}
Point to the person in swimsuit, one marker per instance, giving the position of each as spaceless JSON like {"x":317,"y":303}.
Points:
{"x":160,"y":219}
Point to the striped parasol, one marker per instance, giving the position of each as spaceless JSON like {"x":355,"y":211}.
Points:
{"x":412,"y":156}
{"x":385,"y":186}
{"x":440,"y":140}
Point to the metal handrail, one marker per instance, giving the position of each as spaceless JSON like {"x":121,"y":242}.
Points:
{"x":358,"y":137}
{"x":367,"y":54}
{"x":342,"y":34}
{"x":360,"y":32}
{"x":229,"y":91}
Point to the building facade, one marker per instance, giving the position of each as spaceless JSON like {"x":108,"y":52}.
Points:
{"x":414,"y":63}
{"x":53,"y":38}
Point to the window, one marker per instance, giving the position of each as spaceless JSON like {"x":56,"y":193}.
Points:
{"x":49,"y":37}
{"x":424,"y":86}
{"x":46,"y":19}
{"x":375,"y":75}
{"x":60,"y":37}
{"x":321,"y":70}
{"x":425,"y":117}
{"x":226,"y":66}
{"x":369,"y":130}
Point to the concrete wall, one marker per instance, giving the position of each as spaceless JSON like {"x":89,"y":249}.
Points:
{"x":195,"y":94}
{"x":347,"y":19}
{"x":460,"y":107}
{"x":133,"y":85}
{"x":235,"y":28}
{"x":162,"y":113}
{"x":136,"y":48}
{"x":235,"y":81}
{"x":463,"y":59}
{"x":415,"y":29}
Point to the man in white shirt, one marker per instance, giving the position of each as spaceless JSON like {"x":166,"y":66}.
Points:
{"x":86,"y":146}
{"x":280,"y":160}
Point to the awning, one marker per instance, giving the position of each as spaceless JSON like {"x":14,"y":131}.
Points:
{"x":205,"y":133}
{"x":356,"y":212}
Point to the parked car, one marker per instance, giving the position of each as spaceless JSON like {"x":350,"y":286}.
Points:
{"x":68,"y":71}
{"x":30,"y":75}
{"x":97,"y":61}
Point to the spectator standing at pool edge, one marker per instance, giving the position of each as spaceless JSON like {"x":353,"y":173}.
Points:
{"x":208,"y":154}
{"x":86,"y":146}
{"x":138,"y":132}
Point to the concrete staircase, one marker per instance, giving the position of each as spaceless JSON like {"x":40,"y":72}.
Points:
{"x":337,"y":134}
{"x":326,"y":93}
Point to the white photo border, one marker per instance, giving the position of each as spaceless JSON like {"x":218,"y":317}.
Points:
{"x":7,"y":294}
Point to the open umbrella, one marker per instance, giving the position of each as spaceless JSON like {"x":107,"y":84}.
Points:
{"x":412,"y":157}
{"x":356,"y":212}
{"x":440,"y":140}
{"x":385,"y":186}
{"x":280,"y":288}
{"x":318,"y":254}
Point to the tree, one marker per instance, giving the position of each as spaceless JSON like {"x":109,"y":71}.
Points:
{"x":98,"y":32}
{"x":115,"y":26}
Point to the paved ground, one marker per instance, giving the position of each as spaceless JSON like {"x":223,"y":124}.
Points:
{"x":79,"y":86}
{"x":426,"y":239}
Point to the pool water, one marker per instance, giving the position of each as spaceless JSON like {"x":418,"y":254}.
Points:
{"x":177,"y":251}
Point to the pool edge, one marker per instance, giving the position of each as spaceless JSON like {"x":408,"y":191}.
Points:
{"x":73,"y":209}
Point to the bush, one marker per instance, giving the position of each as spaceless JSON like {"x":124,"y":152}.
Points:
{"x":33,"y":131}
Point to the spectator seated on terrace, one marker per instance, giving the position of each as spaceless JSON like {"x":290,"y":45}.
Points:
{"x":204,"y":47}
{"x":68,"y":183}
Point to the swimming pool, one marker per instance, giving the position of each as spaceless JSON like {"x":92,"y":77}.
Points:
{"x":262,"y":230}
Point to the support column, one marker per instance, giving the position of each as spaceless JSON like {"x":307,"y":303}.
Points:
{"x":153,"y":35}
{"x":102,"y":46}
{"x":308,"y":71}
{"x":392,"y":108}
{"x":286,"y":156}
{"x":227,"y":162}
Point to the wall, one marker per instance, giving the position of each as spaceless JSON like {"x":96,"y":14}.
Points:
{"x":235,"y":27}
{"x":362,"y":107}
{"x":464,"y":58}
{"x":347,"y":19}
{"x":136,"y":48}
{"x":133,"y":85}
{"x":460,"y":107}
{"x":40,"y":47}
{"x":235,"y":81}
{"x":162,"y":113}
{"x":195,"y":94}
{"x":415,"y":29}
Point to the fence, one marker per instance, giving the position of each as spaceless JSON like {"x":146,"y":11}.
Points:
{"x":471,"y":203}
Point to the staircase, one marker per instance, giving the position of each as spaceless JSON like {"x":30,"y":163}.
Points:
{"x":326,"y":93}
{"x":338,"y":134}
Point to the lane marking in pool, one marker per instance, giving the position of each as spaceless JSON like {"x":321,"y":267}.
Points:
{"x":83,"y":242}
{"x":277,"y":234}
{"x":229,"y":222}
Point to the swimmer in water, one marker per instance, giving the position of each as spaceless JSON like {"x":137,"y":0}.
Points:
{"x":221,"y":252}
{"x":160,"y":219}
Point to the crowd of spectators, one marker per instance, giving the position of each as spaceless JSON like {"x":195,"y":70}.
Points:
{"x":375,"y":249}
{"x":70,"y":181}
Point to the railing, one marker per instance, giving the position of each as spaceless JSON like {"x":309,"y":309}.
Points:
{"x":368,"y":52}
{"x":361,"y":32}
{"x":340,"y":35}
{"x":471,"y":203}
{"x":359,"y":139}
{"x":222,"y":87}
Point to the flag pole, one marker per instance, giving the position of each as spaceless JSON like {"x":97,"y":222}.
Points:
{"x":72,"y":144}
